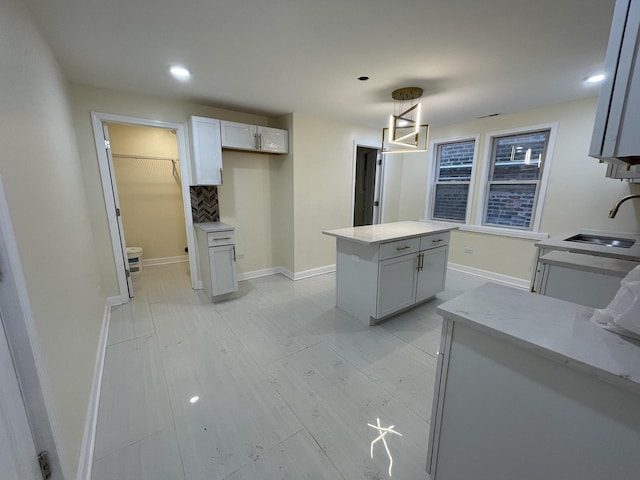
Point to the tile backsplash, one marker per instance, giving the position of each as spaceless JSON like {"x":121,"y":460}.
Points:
{"x":204,"y":203}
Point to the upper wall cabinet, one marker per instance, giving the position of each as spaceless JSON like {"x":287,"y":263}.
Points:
{"x":241,"y":136}
{"x":615,"y":135}
{"x":207,"y":151}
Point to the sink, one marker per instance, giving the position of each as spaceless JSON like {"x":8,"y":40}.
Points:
{"x":602,"y":240}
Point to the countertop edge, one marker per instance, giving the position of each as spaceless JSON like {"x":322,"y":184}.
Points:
{"x":622,"y":380}
{"x":209,"y":227}
{"x":427,"y":231}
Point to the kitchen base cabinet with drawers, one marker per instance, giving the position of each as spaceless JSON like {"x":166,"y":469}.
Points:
{"x":379,"y":275}
{"x":217,"y":258}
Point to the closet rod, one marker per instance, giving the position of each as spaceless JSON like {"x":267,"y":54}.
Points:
{"x":143,"y":157}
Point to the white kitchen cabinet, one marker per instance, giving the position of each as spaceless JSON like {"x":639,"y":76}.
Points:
{"x":432,"y":273}
{"x":242,"y":136}
{"x":583,"y":279}
{"x":396,"y":284}
{"x":528,"y":388}
{"x":207,"y":151}
{"x":377,"y":280}
{"x":224,"y":277}
{"x":217,"y":258}
{"x":615,"y":138}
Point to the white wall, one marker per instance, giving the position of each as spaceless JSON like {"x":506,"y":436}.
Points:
{"x":244,"y":198}
{"x":41,"y":171}
{"x":323,"y":155}
{"x":578,"y":194}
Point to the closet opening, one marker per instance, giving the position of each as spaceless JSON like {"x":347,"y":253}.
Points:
{"x":145,"y":180}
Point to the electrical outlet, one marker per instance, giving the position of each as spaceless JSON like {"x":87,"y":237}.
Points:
{"x":240,"y":256}
{"x":468,"y":250}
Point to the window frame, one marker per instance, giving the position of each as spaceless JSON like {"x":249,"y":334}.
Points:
{"x":541,"y":189}
{"x":434,"y":169}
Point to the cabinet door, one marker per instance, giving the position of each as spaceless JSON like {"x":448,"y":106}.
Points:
{"x":396,"y":284}
{"x":273,"y":140}
{"x":224,"y":278}
{"x":240,"y":136}
{"x":432,"y":275}
{"x":207,"y":151}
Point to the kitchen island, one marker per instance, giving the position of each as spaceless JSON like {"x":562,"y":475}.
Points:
{"x":528,"y":387}
{"x":387,"y":268}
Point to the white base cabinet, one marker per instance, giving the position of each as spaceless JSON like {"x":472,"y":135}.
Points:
{"x":217,"y":255}
{"x":503,"y":411}
{"x":378,"y":280}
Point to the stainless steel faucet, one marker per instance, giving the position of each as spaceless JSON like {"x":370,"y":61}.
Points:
{"x":615,"y":208}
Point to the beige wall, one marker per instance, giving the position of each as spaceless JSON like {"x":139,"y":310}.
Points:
{"x":323,"y":155}
{"x":41,"y":172}
{"x":244,"y":198}
{"x":281,"y":183}
{"x":578,"y":194}
{"x":149,"y":191}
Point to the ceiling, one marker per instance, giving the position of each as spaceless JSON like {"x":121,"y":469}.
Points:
{"x":272,"y":57}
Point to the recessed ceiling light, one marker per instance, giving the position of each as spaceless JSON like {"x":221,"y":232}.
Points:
{"x":180,"y":72}
{"x":595,"y":78}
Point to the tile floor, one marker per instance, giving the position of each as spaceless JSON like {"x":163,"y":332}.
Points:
{"x":285,"y":383}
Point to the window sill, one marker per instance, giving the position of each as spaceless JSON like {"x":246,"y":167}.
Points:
{"x":504,"y":232}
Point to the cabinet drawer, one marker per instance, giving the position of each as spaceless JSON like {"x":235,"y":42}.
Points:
{"x":434,"y":240}
{"x":399,"y":247}
{"x":225,"y":237}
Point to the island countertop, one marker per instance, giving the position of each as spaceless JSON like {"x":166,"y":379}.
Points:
{"x":387,"y":232}
{"x":555,"y":329}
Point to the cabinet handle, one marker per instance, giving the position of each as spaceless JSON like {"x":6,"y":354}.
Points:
{"x":221,"y":179}
{"x":436,"y":241}
{"x":260,"y":141}
{"x":223,"y":238}
{"x":403,"y":248}
{"x":421,"y":262}
{"x":234,"y":253}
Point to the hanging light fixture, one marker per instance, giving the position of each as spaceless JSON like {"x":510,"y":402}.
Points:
{"x":406,"y":133}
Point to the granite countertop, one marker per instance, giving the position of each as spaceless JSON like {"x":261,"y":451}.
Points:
{"x":558,"y":330}
{"x":559,"y":243}
{"x":213,"y":227}
{"x":386,"y":232}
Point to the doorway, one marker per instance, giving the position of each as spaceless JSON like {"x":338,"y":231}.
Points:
{"x":170,"y":169}
{"x":367,"y":191}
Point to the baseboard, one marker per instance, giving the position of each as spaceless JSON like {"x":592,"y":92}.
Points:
{"x":314,"y":272}
{"x":164,"y":260}
{"x":113,"y":301}
{"x":287,"y":273}
{"x":85,"y":463}
{"x":259,"y":273}
{"x":493,"y":276}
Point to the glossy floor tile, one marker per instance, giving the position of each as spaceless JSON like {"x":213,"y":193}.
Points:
{"x":275,"y":383}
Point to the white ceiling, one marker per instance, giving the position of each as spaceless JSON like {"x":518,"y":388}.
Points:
{"x":472,"y":57}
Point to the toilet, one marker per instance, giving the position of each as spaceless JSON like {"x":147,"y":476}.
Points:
{"x":134,"y":255}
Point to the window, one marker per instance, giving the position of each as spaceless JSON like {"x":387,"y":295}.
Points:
{"x":514,"y":180}
{"x":454,"y":162}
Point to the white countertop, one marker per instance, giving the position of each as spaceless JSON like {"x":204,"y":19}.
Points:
{"x":559,"y":243}
{"x":386,"y":232}
{"x":555,"y":329}
{"x":589,"y":263}
{"x":213,"y":227}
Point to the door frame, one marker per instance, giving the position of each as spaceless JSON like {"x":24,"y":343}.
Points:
{"x":378,"y":188}
{"x":24,"y":344}
{"x":97,"y":120}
